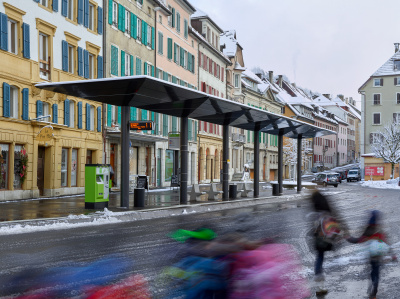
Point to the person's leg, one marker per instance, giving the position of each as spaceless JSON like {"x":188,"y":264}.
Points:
{"x":374,"y":276}
{"x":318,"y":262}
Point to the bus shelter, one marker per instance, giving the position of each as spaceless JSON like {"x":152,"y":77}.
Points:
{"x":160,"y":96}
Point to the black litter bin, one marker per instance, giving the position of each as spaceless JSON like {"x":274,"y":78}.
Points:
{"x":275,"y":189}
{"x":232,"y":191}
{"x":138,"y":194}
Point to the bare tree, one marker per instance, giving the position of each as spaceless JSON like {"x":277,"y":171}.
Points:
{"x":386,"y":144}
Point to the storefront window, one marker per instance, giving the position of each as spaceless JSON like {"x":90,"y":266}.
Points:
{"x":74,"y":166}
{"x":89,"y":157}
{"x":17,"y":166}
{"x":4,"y":148}
{"x":64,"y":167}
{"x":169,"y":164}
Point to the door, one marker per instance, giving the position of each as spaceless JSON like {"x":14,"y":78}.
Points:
{"x":40,"y":170}
{"x":112,"y":163}
{"x":159,"y":167}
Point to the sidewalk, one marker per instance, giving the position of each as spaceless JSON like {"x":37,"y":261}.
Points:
{"x":158,"y":203}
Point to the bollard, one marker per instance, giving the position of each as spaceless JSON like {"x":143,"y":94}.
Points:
{"x":138,"y":201}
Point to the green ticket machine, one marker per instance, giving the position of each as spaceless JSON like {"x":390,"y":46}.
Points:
{"x":97,"y":179}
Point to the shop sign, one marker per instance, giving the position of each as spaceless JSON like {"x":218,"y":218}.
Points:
{"x":45,"y":134}
{"x":374,"y":170}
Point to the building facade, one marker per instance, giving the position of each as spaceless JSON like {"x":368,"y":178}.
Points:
{"x":47,"y":138}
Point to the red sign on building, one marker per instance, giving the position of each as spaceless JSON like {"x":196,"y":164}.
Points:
{"x":374,"y":170}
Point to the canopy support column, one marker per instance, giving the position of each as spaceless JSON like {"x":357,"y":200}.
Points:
{"x":256,"y":164}
{"x":225,"y":165}
{"x":125,"y":157}
{"x":184,"y":160}
{"x":280,"y":161}
{"x":299,"y":162}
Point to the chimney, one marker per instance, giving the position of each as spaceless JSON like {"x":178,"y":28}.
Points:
{"x":396,"y":47}
{"x":280,"y":81}
{"x":259,"y":75}
{"x":271,"y":76}
{"x":294,"y":85}
{"x":327,"y":95}
{"x":341,"y":97}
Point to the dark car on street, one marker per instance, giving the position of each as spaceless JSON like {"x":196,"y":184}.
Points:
{"x":325,"y":179}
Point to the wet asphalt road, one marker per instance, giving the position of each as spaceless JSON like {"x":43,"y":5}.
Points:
{"x":146,"y":242}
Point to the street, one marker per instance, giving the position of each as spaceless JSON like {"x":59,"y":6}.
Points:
{"x":147,"y":244}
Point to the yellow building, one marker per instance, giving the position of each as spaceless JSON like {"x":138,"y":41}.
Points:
{"x":46,"y":138}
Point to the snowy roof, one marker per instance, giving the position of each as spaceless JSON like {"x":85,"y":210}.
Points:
{"x":203,"y":39}
{"x":239,"y":67}
{"x":228,"y":40}
{"x":388,"y":67}
{"x":250,"y":75}
{"x":199,"y":14}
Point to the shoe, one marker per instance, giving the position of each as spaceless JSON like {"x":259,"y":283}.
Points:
{"x":321,"y":291}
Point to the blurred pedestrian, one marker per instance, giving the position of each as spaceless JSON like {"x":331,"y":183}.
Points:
{"x":377,"y":248}
{"x":326,"y":232}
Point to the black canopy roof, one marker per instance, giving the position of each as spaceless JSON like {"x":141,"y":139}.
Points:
{"x":160,"y":96}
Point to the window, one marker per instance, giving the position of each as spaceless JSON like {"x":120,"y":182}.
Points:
{"x":170,"y":16}
{"x":18,"y":151}
{"x":64,"y":167}
{"x":12,"y":36}
{"x":91,"y":118}
{"x":127,"y":64}
{"x":74,"y":166}
{"x":139,"y":29}
{"x":91,"y":66}
{"x":44,"y":58}
{"x":237,"y":80}
{"x":46,"y":109}
{"x":70,"y":9}
{"x":376,"y":118}
{"x":13,"y":102}
{"x":91,"y":16}
{"x":127,"y":22}
{"x":160,"y":43}
{"x":71,"y":114}
{"x":396,"y":65}
{"x":149,"y":67}
{"x":149,"y":36}
{"x":377,"y":99}
{"x":4,"y":154}
{"x":44,"y":2}
{"x":396,"y":117}
{"x":160,"y":19}
{"x":178,"y":22}
{"x":378,"y":82}
{"x":139,"y":2}
{"x":71,"y":61}
{"x":375,"y":138}
{"x":115,"y":14}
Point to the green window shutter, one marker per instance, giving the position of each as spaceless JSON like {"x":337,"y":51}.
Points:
{"x":122,"y":63}
{"x":173,"y":17}
{"x":157,"y":124}
{"x":119,"y":16}
{"x":190,"y":125}
{"x":195,"y":130}
{"x":153,"y":36}
{"x":174,"y":124}
{"x":165,"y":125}
{"x":114,"y":60}
{"x":144,"y":114}
{"x":175,"y":53}
{"x":186,"y":28}
{"x":109,"y":117}
{"x":145,"y":69}
{"x":165,"y":76}
{"x":169,"y":48}
{"x":248,"y":136}
{"x":178,"y":22}
{"x":110,"y":11}
{"x":160,"y":43}
{"x":133,"y":113}
{"x":123,"y":19}
{"x":182,"y":54}
{"x":119,"y":116}
{"x":131,"y":58}
{"x":152,"y":118}
{"x":189,"y":61}
{"x":144,"y":33}
{"x":174,"y":79}
{"x":152,"y":70}
{"x":134,"y":26}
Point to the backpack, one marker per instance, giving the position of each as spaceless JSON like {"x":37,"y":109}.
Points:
{"x":326,"y":232}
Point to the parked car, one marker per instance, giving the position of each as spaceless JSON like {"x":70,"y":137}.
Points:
{"x":354,"y":175}
{"x":325,"y":179}
{"x":339,"y":177}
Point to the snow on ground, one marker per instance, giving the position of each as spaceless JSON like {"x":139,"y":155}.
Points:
{"x":389,"y":184}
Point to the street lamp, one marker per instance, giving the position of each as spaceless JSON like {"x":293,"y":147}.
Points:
{"x":324,"y":150}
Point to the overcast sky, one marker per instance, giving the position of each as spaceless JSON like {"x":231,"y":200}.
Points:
{"x":323,"y":45}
